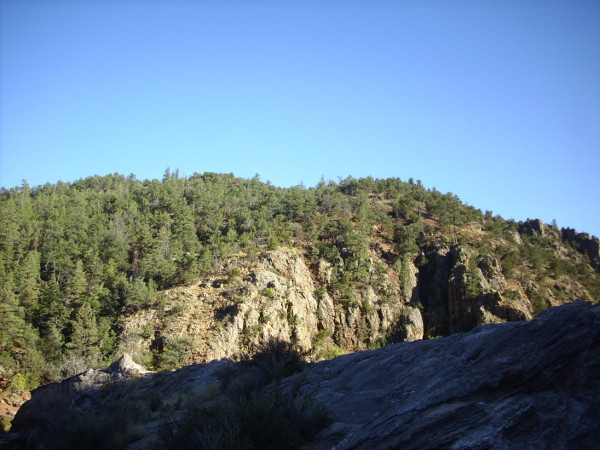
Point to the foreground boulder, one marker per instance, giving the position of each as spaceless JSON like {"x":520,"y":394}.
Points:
{"x":513,"y":385}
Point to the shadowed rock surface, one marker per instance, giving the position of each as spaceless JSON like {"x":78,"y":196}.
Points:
{"x":512,"y":385}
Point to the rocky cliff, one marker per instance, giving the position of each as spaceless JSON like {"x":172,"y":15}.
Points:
{"x":277,"y":295}
{"x":283,"y":295}
{"x":522,"y":384}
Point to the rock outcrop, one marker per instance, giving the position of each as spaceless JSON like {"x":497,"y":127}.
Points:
{"x":285,"y":295}
{"x":461,"y":290}
{"x":126,"y":366}
{"x":277,"y":296}
{"x":584,"y":244}
{"x":532,"y":227}
{"x":523,"y":384}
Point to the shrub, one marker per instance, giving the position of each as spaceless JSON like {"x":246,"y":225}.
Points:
{"x":538,"y":303}
{"x":5,"y":423}
{"x":378,"y":343}
{"x":114,"y":426}
{"x":330,"y":352}
{"x":269,"y":292}
{"x":173,"y":354}
{"x":279,"y":359}
{"x":259,"y":421}
{"x":147,"y":331}
{"x":18,"y":383}
{"x":320,"y":292}
{"x":510,"y":259}
{"x":233,"y":274}
{"x":245,"y":412}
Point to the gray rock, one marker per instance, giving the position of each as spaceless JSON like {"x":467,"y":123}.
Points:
{"x":512,"y":385}
{"x":584,"y":244}
{"x":412,"y":324}
{"x":532,"y":227}
{"x":126,"y":365}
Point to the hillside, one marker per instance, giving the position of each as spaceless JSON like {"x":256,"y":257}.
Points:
{"x":187,"y":270}
{"x":511,"y":385}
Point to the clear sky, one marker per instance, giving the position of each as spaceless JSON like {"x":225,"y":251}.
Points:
{"x":495,"y":101}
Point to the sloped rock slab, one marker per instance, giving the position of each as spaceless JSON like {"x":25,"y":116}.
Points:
{"x":514,"y":385}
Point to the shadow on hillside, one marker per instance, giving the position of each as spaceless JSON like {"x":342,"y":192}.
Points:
{"x":236,"y":406}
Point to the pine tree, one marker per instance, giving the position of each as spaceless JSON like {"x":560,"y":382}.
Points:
{"x":11,"y":322}
{"x":18,"y":340}
{"x":28,"y":281}
{"x":51,"y":309}
{"x":52,"y":344}
{"x":77,"y":286}
{"x":85,"y":336}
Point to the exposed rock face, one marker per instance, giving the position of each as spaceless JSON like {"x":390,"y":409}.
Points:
{"x":512,"y":385}
{"x":584,"y":244}
{"x":460,"y":294}
{"x":274,"y":297}
{"x":412,"y":324}
{"x":281,"y":295}
{"x":475,"y":294}
{"x":532,"y":227}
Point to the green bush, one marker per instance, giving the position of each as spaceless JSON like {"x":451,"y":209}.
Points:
{"x":509,"y":260}
{"x":330,"y":352}
{"x":5,"y":423}
{"x":18,"y":383}
{"x":538,"y":302}
{"x":269,"y":292}
{"x":173,"y":354}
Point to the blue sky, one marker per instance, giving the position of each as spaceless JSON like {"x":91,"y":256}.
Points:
{"x":497,"y":102}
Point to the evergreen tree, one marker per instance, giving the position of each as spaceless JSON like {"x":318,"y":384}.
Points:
{"x":18,"y":340}
{"x":85,"y":336}
{"x":76,"y":286}
{"x":28,"y":281}
{"x":52,"y":309}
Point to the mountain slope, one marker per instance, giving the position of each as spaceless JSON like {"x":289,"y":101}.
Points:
{"x":189,"y":269}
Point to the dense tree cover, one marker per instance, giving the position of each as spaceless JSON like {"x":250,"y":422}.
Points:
{"x":74,"y":256}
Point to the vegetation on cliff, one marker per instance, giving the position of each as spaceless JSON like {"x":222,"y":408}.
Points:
{"x":75,"y":258}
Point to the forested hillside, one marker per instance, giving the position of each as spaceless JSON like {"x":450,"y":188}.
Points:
{"x":77,"y":258}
